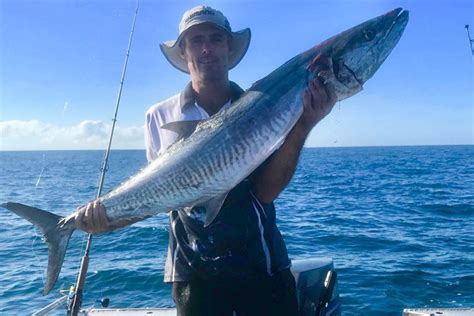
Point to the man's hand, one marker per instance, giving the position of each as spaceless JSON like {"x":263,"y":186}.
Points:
{"x":92,"y":218}
{"x":319,"y":98}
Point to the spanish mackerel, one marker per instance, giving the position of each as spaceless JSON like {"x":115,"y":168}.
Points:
{"x":202,"y":167}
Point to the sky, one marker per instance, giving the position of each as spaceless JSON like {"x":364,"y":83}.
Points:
{"x":61,"y":63}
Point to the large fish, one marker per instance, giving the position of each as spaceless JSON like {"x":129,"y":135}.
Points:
{"x":217,"y":154}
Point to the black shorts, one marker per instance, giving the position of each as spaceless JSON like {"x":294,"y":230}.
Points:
{"x":275,"y":295}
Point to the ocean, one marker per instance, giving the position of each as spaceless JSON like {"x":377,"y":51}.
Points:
{"x":397,"y":221}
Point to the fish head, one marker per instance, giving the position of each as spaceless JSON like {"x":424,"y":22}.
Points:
{"x":356,"y":54}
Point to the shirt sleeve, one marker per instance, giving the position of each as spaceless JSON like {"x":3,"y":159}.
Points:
{"x":152,"y":138}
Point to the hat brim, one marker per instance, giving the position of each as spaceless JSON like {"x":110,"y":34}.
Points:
{"x":240,"y":45}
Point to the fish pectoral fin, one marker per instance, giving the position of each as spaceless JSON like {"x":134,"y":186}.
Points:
{"x":182,"y":128}
{"x":213,"y":206}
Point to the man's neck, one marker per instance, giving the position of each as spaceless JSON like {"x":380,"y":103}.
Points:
{"x":211,"y":96}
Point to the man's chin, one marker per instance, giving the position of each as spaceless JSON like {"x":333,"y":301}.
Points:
{"x":212,"y":67}
{"x":209,"y":75}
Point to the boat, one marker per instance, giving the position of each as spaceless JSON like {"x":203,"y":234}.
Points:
{"x":316,"y":289}
{"x":438,"y":312}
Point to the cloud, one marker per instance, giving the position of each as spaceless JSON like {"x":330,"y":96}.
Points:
{"x":37,"y":135}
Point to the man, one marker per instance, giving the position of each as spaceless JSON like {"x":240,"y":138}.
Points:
{"x":239,"y":262}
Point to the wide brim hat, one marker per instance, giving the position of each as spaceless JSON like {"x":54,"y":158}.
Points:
{"x":201,"y":15}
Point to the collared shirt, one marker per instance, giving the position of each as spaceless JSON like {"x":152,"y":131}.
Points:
{"x":181,"y":107}
{"x":243,"y":242}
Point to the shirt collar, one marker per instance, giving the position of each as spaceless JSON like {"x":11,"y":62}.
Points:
{"x":186,"y":97}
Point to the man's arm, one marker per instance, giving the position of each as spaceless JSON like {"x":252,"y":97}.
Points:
{"x":272,"y":178}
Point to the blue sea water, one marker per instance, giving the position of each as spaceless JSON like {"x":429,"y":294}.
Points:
{"x":398,"y":222}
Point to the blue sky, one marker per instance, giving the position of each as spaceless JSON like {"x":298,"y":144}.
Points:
{"x":61,"y":61}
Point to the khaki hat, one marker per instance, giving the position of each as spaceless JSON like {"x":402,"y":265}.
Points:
{"x":199,"y":15}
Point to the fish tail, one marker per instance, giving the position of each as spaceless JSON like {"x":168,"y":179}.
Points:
{"x":56,"y":230}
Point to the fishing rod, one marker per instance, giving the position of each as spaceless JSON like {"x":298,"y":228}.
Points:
{"x":78,"y":290}
{"x":469,"y":37}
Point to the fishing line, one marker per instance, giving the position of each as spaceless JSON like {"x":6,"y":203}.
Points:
{"x":337,"y":121}
{"x":36,"y":233}
{"x":41,"y":173}
{"x":338,"y":116}
{"x":41,"y":266}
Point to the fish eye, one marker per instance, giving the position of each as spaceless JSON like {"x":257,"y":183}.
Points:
{"x":369,"y":35}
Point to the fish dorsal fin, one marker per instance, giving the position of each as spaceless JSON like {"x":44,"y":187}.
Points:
{"x":213,"y":206}
{"x":182,"y":128}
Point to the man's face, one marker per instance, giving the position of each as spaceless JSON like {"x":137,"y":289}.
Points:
{"x":206,"y":50}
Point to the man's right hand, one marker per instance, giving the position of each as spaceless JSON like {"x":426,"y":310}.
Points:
{"x":92,"y":218}
{"x":320,"y":95}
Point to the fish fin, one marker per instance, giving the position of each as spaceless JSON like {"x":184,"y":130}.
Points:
{"x":56,"y":233}
{"x":182,"y":128}
{"x":213,"y":206}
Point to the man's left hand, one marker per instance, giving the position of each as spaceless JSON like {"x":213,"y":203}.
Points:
{"x":319,"y":97}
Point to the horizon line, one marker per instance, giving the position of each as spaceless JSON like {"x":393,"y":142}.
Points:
{"x":305,"y":147}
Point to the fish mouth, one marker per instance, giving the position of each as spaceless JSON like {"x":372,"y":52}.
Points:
{"x":400,"y":19}
{"x":403,"y":16}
